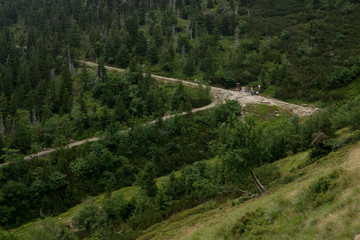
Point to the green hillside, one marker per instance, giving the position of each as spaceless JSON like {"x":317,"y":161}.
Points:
{"x":310,"y":201}
{"x":232,"y":171}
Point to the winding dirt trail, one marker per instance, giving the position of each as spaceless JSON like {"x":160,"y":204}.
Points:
{"x":47,"y":152}
{"x":219,"y":95}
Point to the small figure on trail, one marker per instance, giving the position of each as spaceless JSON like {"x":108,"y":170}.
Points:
{"x":252,"y":91}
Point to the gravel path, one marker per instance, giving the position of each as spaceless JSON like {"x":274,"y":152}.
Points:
{"x":219,"y":95}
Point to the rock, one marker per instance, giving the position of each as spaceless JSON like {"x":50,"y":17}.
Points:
{"x":357,"y":237}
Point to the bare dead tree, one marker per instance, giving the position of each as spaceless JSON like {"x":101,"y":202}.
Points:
{"x":236,"y":8}
{"x":319,"y":137}
{"x":174,"y":36}
{"x":71,"y":65}
{"x":258,"y":183}
{"x":170,"y":5}
{"x":237,"y":36}
{"x":2,"y":127}
{"x":233,"y":188}
{"x":183,"y":53}
{"x":196,"y":30}
{"x":34,"y":118}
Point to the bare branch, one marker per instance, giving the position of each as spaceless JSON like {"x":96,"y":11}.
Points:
{"x":232,"y":189}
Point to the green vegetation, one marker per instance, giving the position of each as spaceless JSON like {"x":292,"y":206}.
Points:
{"x":117,"y":101}
{"x":272,"y":175}
{"x":320,"y":202}
{"x":50,"y":186}
{"x":239,"y":172}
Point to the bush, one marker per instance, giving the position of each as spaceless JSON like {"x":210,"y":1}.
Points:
{"x":318,"y":192}
{"x":7,"y":236}
{"x":250,"y":223}
{"x":117,"y":208}
{"x":89,"y":217}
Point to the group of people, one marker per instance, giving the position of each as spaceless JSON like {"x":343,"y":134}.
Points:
{"x":253,"y":92}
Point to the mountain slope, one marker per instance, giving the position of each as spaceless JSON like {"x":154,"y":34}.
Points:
{"x":286,"y":212}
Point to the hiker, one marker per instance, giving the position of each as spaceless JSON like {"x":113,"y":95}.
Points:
{"x":252,"y":91}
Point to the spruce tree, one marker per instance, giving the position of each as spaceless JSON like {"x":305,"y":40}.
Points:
{"x":146,"y":180}
{"x":65,"y":90}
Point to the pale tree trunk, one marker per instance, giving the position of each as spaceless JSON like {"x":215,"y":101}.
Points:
{"x":71,"y":65}
{"x":34,"y":118}
{"x":174,"y":36}
{"x":196,"y":30}
{"x":237,"y":36}
{"x":258,"y":183}
{"x":183,"y":53}
{"x":2,"y":127}
{"x":173,"y":31}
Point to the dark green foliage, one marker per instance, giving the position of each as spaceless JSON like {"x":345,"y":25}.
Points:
{"x":117,"y":208}
{"x":318,"y":192}
{"x":250,"y":222}
{"x":21,"y":138}
{"x":228,"y":112}
{"x":65,"y":90}
{"x":189,"y":68}
{"x":152,"y":55}
{"x":7,"y":236}
{"x":180,"y":101}
{"x":89,"y":217}
{"x":67,"y":176}
{"x":294,"y":49}
{"x":146,"y":180}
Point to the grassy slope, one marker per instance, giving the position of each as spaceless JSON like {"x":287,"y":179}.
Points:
{"x":283,"y":219}
{"x":24,"y":231}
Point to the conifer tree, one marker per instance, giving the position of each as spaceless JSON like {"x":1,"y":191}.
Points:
{"x":146,"y":180}
{"x":65,"y":90}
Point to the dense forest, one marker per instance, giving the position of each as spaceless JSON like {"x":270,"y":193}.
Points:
{"x":308,"y":47}
{"x":293,"y":49}
{"x":296,"y":50}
